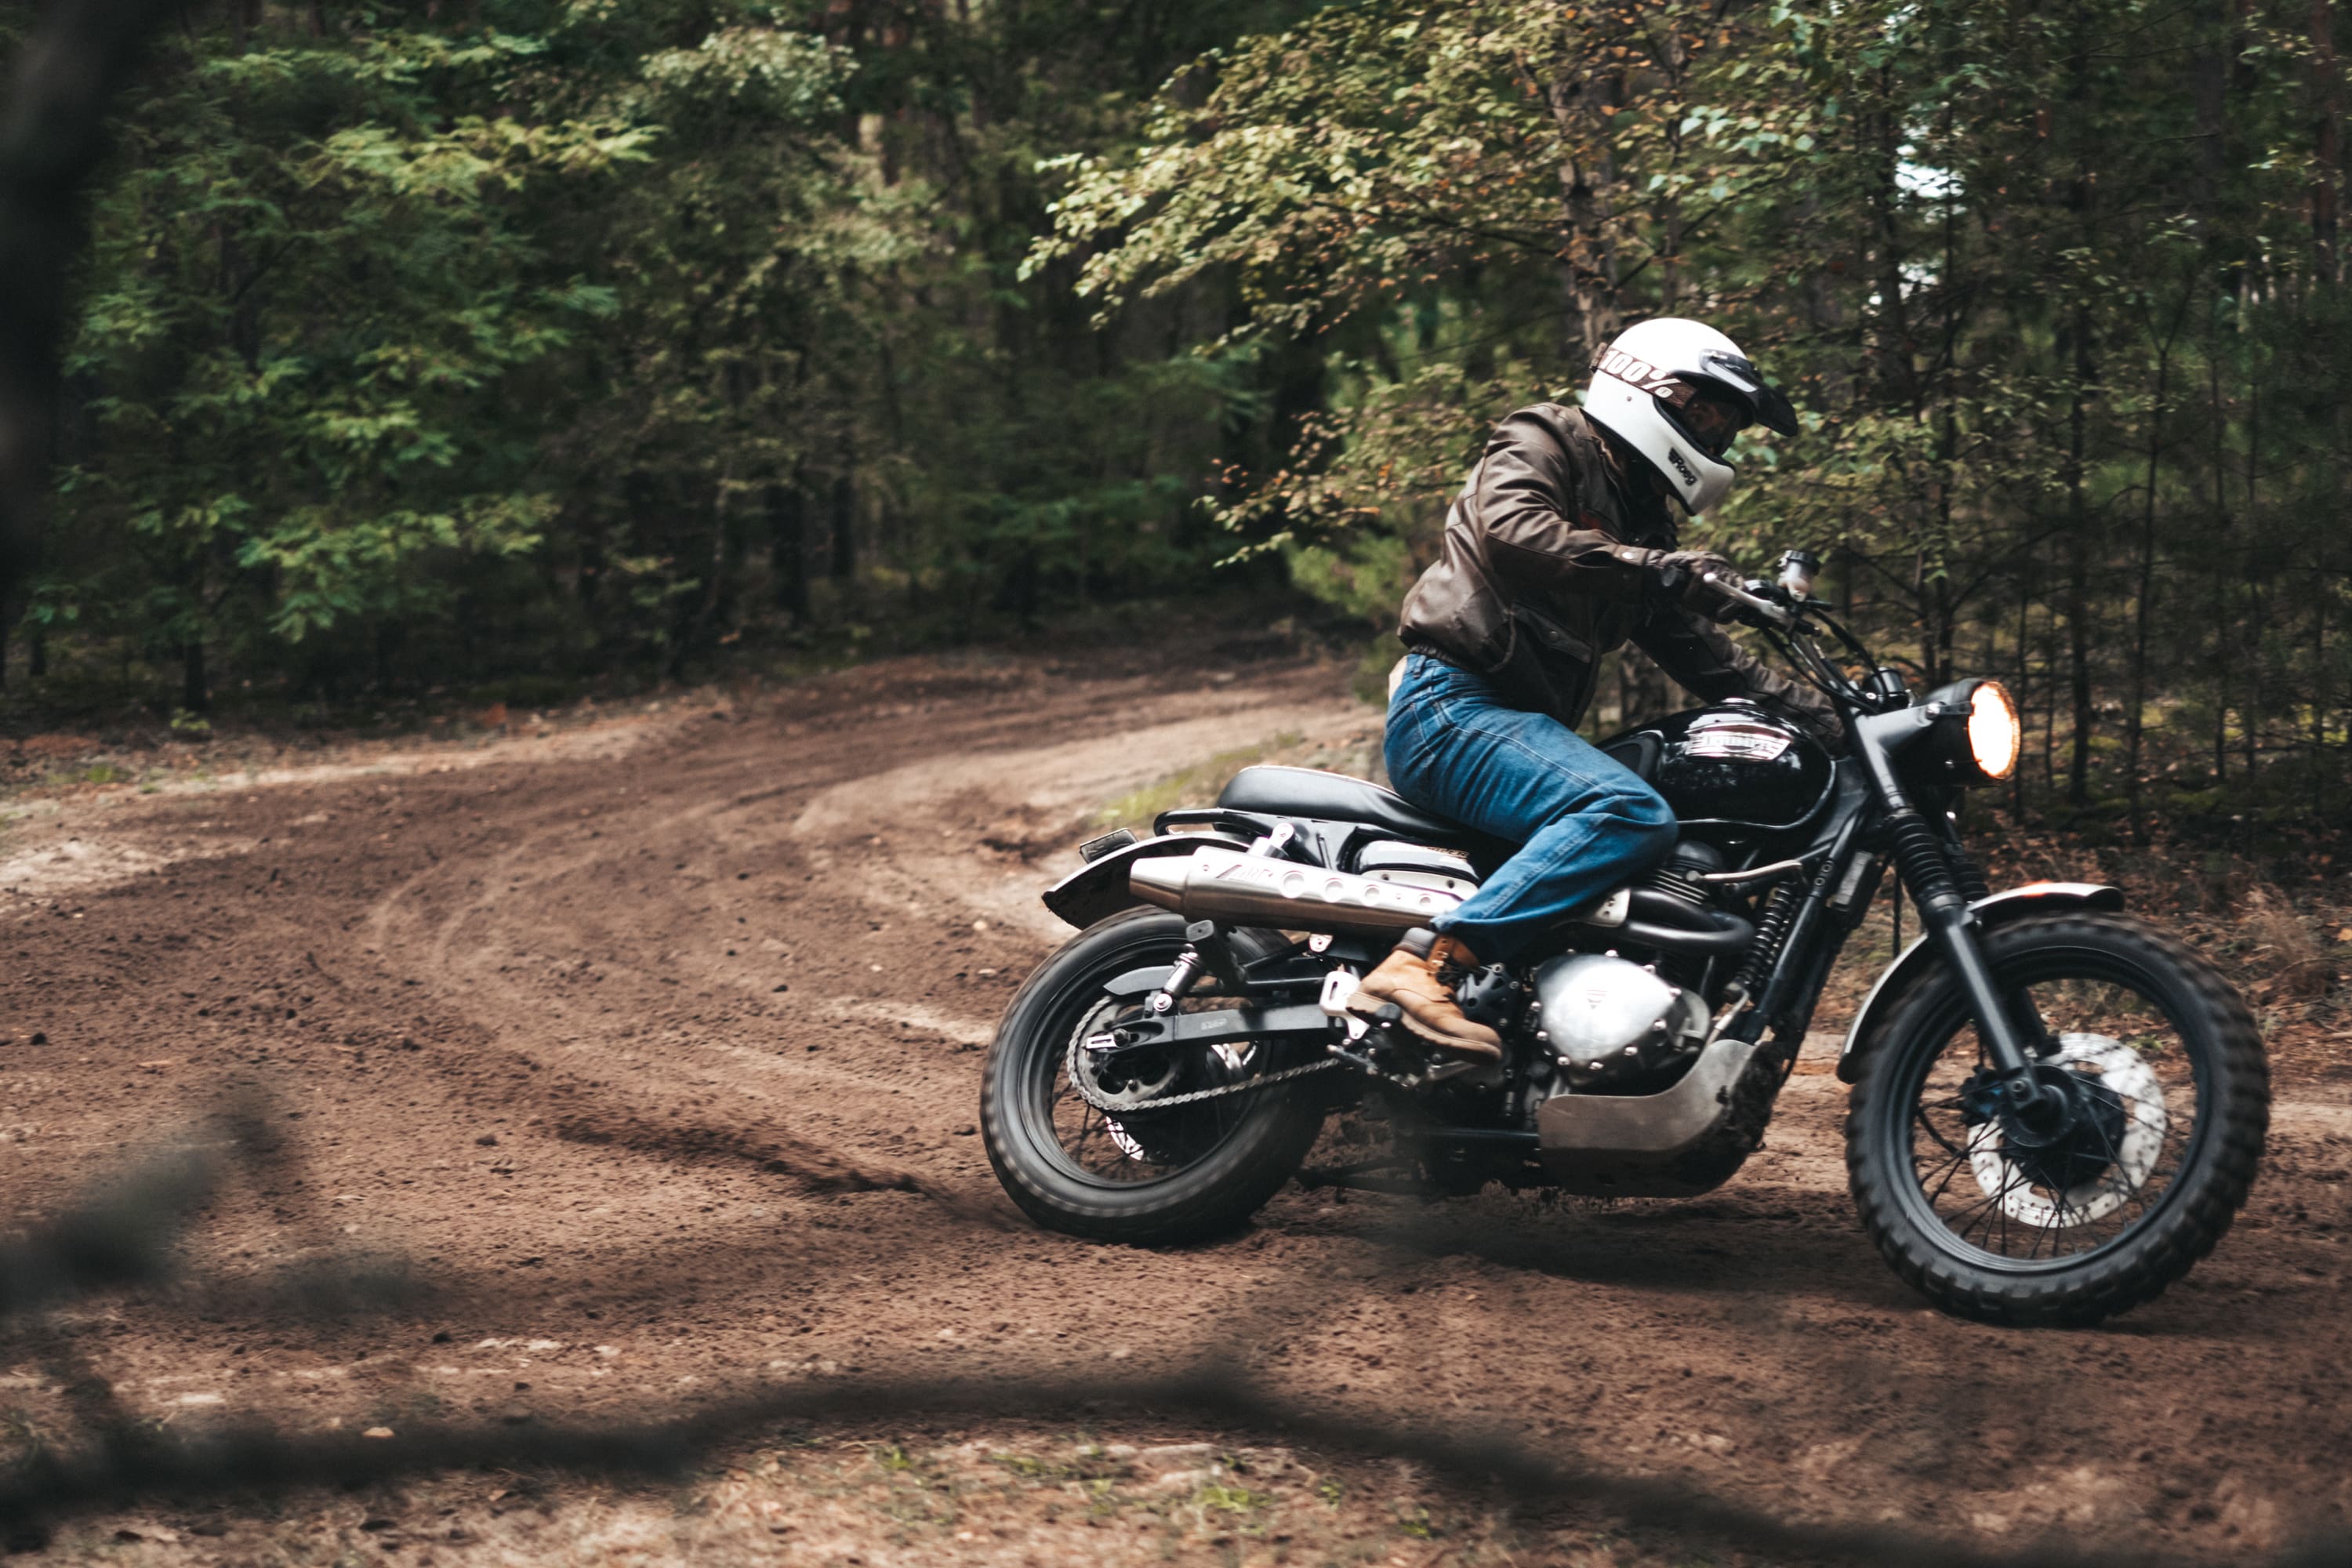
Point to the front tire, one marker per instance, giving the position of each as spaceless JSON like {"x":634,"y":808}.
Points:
{"x":2172,"y":1099}
{"x":1152,"y":1178}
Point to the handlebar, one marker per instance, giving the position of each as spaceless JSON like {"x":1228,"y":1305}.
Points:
{"x":1755,"y":608}
{"x":1788,"y":610}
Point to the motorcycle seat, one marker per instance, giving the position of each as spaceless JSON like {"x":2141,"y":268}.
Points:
{"x":1312,"y":792}
{"x":1272,"y":790}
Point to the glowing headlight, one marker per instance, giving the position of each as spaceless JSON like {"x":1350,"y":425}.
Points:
{"x":1994,"y":731}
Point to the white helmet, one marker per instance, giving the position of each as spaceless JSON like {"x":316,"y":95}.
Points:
{"x":1642,"y":382}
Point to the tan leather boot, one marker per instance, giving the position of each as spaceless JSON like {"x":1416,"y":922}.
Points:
{"x":1414,"y":976}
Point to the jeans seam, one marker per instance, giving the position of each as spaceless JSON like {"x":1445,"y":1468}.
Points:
{"x":1421,"y":739}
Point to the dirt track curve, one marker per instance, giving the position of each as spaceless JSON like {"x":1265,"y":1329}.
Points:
{"x":658,"y":1064}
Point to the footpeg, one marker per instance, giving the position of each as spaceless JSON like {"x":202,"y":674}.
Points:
{"x":1337,"y":986}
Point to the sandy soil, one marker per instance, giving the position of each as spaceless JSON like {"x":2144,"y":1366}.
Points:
{"x":654,"y":1063}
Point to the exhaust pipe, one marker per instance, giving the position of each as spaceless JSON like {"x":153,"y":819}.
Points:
{"x":1213,"y":884}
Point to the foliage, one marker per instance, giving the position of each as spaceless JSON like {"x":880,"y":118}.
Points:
{"x":2058,"y":290}
{"x":580,"y":336}
{"x":425,"y":339}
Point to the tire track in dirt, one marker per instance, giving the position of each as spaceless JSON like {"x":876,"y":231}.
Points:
{"x":525,"y":1022}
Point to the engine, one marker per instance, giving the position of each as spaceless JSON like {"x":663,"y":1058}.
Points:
{"x":1609,"y":1020}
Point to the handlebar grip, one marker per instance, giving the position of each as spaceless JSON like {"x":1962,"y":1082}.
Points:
{"x":1755,"y":607}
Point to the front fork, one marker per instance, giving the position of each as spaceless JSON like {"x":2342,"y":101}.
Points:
{"x":2009,"y":1025}
{"x":2008,"y":1022}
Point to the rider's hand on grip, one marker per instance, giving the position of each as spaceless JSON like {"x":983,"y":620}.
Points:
{"x":1701,"y":581}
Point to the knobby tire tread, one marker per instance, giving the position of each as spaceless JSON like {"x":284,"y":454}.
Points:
{"x":2184,"y":1233}
{"x":1251,"y":1166}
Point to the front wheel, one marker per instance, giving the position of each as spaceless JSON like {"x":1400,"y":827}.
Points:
{"x":2164,"y":1099}
{"x":1105,"y":1158}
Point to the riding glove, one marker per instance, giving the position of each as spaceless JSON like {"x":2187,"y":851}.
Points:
{"x":1690,"y":578}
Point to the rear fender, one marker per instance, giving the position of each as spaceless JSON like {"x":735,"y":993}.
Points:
{"x":2032,"y":898}
{"x":1098,"y":889}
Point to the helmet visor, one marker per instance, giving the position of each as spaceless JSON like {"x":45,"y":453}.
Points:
{"x":1766,"y":406}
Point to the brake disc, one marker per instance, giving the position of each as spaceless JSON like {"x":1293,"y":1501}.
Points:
{"x":2123,"y":1072}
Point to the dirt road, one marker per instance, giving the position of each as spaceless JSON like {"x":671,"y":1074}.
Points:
{"x":658,"y":1062}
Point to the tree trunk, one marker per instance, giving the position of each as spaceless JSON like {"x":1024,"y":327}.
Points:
{"x":1588,"y":255}
{"x":2319,"y":697}
{"x":2078,"y":572}
{"x":2078,"y":200}
{"x":2136,"y":720}
{"x":718,"y":596}
{"x":2252,"y":711}
{"x":787,"y":510}
{"x":2025,"y":585}
{"x":389,"y":637}
{"x":845,"y":519}
{"x":1892,"y":349}
{"x":2327,"y":94}
{"x":195,"y":695}
{"x":2218,"y":419}
{"x":2050,"y":709}
{"x":2209,"y":92}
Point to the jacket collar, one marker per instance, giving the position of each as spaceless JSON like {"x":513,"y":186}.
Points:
{"x":1642,"y":516}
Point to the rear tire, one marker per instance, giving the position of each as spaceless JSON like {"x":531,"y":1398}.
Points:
{"x":2122,"y":1222}
{"x":1248,"y":1146}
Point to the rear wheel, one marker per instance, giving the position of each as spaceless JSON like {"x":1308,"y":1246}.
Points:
{"x":1076,"y":1139}
{"x":2164,"y":1100}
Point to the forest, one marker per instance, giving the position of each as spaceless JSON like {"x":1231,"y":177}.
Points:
{"x":443,"y":342}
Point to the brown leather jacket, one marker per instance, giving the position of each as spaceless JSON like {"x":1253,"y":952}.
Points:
{"x":1549,"y":563}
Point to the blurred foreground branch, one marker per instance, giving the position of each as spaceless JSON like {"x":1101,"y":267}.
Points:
{"x":125,"y":1234}
{"x":134,"y":1463}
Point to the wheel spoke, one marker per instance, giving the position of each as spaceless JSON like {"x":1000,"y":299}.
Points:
{"x":2135,"y":1193}
{"x":1137,"y":1145}
{"x":1991,"y":1204}
{"x":1921,"y":1116}
{"x":1958,"y":1162}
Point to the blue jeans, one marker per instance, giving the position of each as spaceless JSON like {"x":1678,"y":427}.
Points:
{"x":1586,"y":823}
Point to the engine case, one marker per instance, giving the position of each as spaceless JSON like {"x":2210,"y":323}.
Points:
{"x":1609,"y":1020}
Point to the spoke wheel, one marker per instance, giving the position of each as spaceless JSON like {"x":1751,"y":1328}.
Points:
{"x":1133,"y":1141}
{"x":1131,"y":1171}
{"x":2158,"y":1097}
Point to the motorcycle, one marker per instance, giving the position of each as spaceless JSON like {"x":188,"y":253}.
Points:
{"x":2056,"y":1109}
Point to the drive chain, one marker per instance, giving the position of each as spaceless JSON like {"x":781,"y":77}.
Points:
{"x":1265,"y":1080}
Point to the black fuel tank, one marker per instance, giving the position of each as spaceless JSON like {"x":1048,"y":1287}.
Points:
{"x":1735,"y":764}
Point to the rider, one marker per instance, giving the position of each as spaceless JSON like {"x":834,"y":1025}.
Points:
{"x":1561,"y":548}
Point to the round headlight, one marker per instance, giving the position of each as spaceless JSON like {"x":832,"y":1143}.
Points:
{"x":1995,"y":732}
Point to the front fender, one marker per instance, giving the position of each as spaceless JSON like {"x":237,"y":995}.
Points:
{"x":2033,"y":897}
{"x":1098,"y":889}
